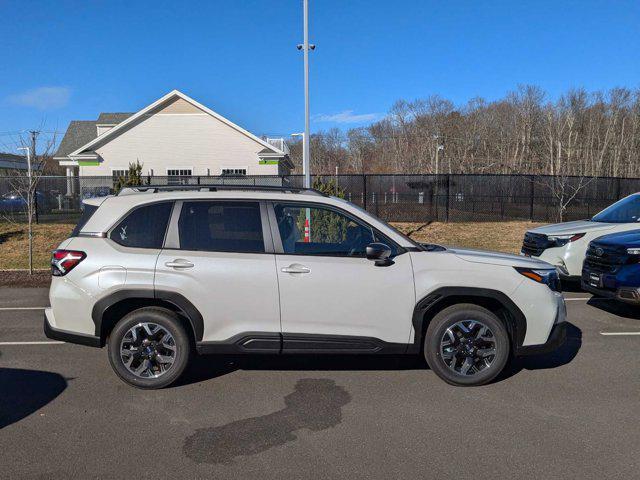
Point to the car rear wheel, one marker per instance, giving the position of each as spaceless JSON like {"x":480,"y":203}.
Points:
{"x":466,"y":345}
{"x":149,"y":348}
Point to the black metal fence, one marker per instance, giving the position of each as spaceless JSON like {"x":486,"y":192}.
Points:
{"x":412,"y":198}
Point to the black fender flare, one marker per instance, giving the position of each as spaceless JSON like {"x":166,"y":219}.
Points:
{"x":178,"y":301}
{"x":432,"y":301}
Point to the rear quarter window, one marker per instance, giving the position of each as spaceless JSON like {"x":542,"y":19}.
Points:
{"x":88,"y":212}
{"x":144,"y":227}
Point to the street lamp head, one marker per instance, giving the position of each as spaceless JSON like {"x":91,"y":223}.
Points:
{"x":299,"y":46}
{"x":312,"y":46}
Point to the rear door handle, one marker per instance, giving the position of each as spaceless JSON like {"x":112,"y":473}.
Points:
{"x":295,"y":268}
{"x":179,"y":263}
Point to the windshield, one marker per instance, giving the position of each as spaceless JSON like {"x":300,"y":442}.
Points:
{"x":626,"y":210}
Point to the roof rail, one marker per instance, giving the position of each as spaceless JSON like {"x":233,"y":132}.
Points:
{"x":216,"y":188}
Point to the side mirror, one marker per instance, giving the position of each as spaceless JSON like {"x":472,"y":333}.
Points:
{"x":380,"y":253}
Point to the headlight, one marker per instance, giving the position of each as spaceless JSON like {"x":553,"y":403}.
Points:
{"x":633,"y":251}
{"x":548,"y":276}
{"x":562,"y":240}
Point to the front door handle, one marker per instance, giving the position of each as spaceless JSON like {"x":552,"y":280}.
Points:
{"x":179,"y":263}
{"x":295,"y":268}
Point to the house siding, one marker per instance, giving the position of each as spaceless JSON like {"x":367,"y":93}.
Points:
{"x":179,"y":137}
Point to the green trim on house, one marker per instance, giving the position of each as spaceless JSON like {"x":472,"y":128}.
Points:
{"x":88,"y":163}
{"x":269,"y":162}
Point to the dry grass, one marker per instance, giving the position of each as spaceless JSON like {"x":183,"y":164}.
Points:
{"x":14,"y":246}
{"x":500,"y":236}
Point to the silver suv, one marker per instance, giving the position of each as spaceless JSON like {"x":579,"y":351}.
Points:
{"x":158,"y":274}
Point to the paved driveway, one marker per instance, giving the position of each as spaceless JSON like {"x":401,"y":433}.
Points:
{"x":573,"y":414}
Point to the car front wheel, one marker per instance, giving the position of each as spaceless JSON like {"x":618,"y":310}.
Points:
{"x":149,"y":348}
{"x":466,"y":345}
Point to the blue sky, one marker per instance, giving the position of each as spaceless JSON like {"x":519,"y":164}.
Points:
{"x":68,"y":60}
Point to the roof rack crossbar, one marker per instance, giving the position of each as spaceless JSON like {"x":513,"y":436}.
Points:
{"x":216,"y":188}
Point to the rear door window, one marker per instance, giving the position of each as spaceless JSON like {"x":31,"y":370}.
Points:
{"x":144,"y":227}
{"x":221,"y":227}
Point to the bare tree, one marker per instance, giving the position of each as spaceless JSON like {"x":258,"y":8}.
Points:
{"x":597,"y":133}
{"x":23,"y":183}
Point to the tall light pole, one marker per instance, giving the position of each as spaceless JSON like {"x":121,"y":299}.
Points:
{"x":305,"y":47}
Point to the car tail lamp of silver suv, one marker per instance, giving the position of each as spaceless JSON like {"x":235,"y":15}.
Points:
{"x":63,"y":261}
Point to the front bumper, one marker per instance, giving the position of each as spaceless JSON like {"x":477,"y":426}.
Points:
{"x":556,"y":338}
{"x":66,"y":336}
{"x":629,"y":295}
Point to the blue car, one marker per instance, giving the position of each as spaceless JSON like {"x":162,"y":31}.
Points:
{"x":612,"y":267}
{"x":14,"y":203}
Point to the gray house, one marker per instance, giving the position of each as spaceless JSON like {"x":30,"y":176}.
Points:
{"x":10,"y":164}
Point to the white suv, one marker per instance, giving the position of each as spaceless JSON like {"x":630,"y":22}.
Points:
{"x":564,"y":245}
{"x":157,"y":274}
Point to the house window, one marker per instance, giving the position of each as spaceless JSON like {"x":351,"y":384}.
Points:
{"x":176,"y":176}
{"x":234,"y":171}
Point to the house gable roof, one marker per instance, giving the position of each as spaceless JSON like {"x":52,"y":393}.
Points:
{"x":112,"y":118}
{"x":81,"y":132}
{"x":78,"y":133}
{"x":150,"y":109}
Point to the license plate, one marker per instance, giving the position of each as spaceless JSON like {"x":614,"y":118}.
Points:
{"x":595,"y":280}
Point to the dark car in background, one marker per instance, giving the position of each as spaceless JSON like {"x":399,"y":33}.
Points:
{"x":16,"y":203}
{"x":612,"y":267}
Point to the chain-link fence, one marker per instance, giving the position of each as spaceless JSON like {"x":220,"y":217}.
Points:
{"x":413,"y":198}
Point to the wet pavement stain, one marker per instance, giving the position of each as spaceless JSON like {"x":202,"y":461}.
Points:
{"x":315,"y":405}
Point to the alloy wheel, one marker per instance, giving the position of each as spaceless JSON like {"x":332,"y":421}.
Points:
{"x":148,"y":350}
{"x":468,"y":347}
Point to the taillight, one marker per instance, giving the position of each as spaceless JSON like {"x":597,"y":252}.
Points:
{"x":63,"y":261}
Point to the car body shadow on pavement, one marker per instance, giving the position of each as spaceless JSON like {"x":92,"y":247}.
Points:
{"x":572,"y":286}
{"x":23,"y":392}
{"x":620,"y":309}
{"x":557,"y":358}
{"x":205,"y":367}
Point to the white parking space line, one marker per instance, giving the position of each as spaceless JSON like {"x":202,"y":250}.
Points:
{"x":582,"y":299}
{"x":8,"y":309}
{"x":30,"y":343}
{"x":611,"y":334}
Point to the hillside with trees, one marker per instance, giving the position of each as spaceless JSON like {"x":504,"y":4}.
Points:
{"x":580,"y":133}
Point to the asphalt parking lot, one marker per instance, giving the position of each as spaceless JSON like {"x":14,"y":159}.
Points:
{"x":571,"y":414}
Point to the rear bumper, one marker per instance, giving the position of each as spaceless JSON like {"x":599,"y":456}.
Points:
{"x":66,"y":336}
{"x":556,"y":338}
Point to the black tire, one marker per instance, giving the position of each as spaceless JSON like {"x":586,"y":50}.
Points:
{"x":480,"y":373}
{"x":167,"y":321}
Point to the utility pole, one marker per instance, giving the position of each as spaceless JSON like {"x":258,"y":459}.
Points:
{"x":305,"y":47}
